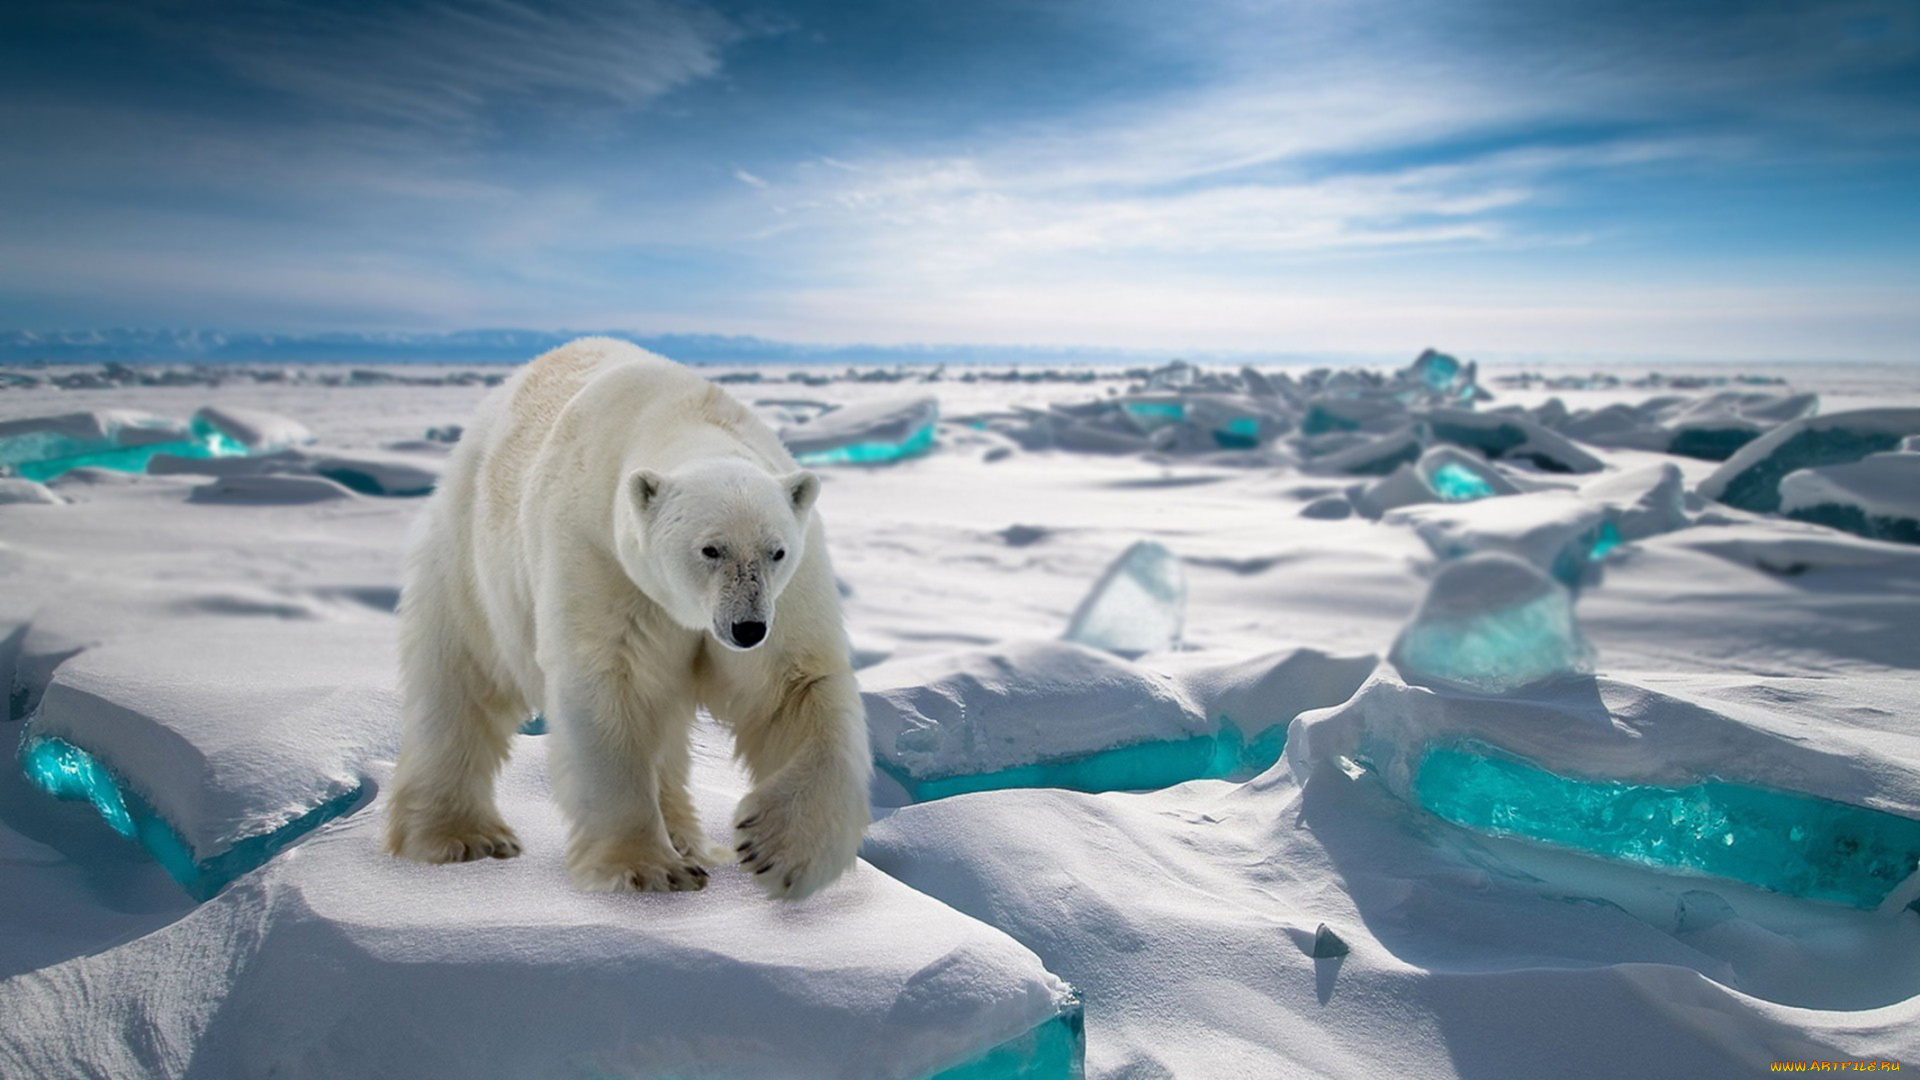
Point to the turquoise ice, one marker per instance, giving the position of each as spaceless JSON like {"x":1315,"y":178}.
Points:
{"x":1239,"y":433}
{"x":67,"y":772}
{"x":1778,"y":840}
{"x":872,"y":453}
{"x":1055,"y":1050}
{"x":207,"y":441}
{"x":869,"y":433}
{"x":1455,"y":482}
{"x":1227,"y":754}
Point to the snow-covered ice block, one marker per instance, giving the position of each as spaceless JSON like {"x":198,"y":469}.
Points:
{"x":1369,"y":412}
{"x":1751,"y":478}
{"x":1711,"y":428}
{"x":269,"y":489}
{"x":224,"y":738}
{"x":372,"y":473}
{"x":337,"y":959}
{"x":1377,"y":456}
{"x":1443,"y":474}
{"x":256,"y":429}
{"x":1877,"y":497}
{"x":1503,"y":436}
{"x":1779,"y":840}
{"x":1492,"y":623}
{"x":44,"y":438}
{"x":124,"y":440}
{"x":992,"y":718}
{"x":1560,"y":533}
{"x":14,"y":490}
{"x":1051,"y":714}
{"x":1695,"y":785}
{"x":1642,"y":502}
{"x":866,"y":433}
{"x":1138,"y":605}
{"x":1328,"y":508}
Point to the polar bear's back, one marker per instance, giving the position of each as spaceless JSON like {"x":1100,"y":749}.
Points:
{"x":587,"y":412}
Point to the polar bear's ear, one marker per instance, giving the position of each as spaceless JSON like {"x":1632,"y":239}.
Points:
{"x":802,"y":488}
{"x":646,"y":487}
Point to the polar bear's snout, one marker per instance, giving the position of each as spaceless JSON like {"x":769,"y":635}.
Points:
{"x":745,"y":609}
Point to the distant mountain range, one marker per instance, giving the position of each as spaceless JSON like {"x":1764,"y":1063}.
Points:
{"x":513,"y":346}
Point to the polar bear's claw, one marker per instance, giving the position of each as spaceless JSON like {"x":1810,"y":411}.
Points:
{"x":446,"y":842}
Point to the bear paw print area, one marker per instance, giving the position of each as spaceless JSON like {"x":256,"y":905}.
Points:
{"x":1213,"y":721}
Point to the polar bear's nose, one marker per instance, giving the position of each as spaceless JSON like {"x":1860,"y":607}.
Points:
{"x":748,"y":634}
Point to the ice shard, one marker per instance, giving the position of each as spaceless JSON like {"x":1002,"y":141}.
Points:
{"x":1139,"y":604}
{"x":1508,"y":436}
{"x":1492,"y":623}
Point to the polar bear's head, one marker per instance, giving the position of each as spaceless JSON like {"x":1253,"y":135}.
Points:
{"x":718,"y":540}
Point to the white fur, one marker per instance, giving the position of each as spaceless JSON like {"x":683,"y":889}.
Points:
{"x":605,"y":525}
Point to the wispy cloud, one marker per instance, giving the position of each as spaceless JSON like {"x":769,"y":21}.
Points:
{"x":445,"y":63}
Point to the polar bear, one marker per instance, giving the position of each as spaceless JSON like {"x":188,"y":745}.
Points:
{"x":616,"y":542}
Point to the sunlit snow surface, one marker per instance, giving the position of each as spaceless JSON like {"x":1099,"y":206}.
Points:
{"x":1777,"y":840}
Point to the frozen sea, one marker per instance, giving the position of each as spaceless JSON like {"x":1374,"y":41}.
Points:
{"x":1520,"y":758}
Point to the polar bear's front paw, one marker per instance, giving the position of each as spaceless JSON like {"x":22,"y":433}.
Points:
{"x":626,"y":867}
{"x":795,"y":847}
{"x":445,"y":840}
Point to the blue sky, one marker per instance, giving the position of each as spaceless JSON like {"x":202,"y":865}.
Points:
{"x":1737,"y":180}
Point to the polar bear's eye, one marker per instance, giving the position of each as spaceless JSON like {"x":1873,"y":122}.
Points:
{"x":779,"y":553}
{"x":710,"y":551}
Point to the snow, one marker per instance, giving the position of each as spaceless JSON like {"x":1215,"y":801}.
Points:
{"x":1225,"y":843}
{"x":15,"y":490}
